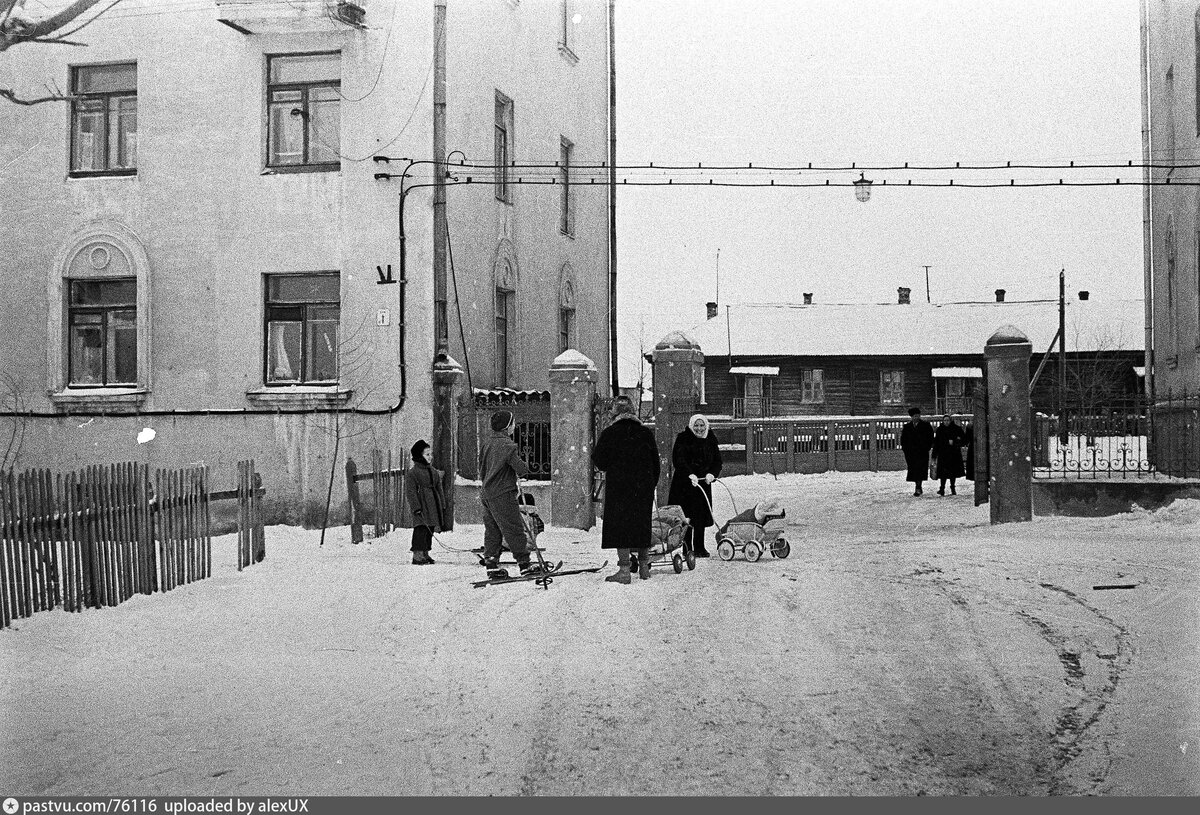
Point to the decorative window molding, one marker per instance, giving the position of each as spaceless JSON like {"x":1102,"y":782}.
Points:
{"x":568,"y":332}
{"x":506,"y":285}
{"x":294,"y":396}
{"x":97,"y":250}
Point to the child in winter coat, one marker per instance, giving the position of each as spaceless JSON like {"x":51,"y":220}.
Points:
{"x":423,"y":487}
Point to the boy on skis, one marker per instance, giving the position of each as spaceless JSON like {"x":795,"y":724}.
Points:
{"x":500,"y":465}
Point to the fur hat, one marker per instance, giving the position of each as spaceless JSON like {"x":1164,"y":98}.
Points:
{"x":417,"y":449}
{"x":501,"y":420}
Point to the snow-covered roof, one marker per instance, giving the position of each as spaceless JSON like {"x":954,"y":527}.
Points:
{"x":755,"y":370}
{"x":957,"y":373}
{"x":893,"y":329}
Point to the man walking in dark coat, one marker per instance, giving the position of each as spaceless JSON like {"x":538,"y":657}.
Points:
{"x":500,"y":465}
{"x":628,"y":456}
{"x":916,"y":440}
{"x":948,"y":443}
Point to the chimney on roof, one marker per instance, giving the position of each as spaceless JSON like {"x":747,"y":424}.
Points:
{"x":1083,"y":295}
{"x":712,"y":309}
{"x":904,"y":295}
{"x":808,"y":298}
{"x":999,"y":295}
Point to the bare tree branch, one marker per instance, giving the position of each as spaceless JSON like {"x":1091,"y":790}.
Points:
{"x":54,"y":95}
{"x":17,"y":28}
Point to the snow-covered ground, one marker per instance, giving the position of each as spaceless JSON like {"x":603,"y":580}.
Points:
{"x":906,"y":646}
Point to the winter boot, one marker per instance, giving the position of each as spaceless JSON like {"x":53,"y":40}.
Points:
{"x":529,"y":567}
{"x":644,"y":568}
{"x":620,"y":576}
{"x":420,"y":559}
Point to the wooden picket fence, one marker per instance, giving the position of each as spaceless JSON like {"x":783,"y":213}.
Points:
{"x":388,"y":509}
{"x":96,"y":537}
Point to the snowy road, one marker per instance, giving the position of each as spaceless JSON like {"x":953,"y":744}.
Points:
{"x":905,"y":647}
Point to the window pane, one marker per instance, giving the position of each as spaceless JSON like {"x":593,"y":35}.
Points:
{"x":283,"y":351}
{"x":106,"y":78}
{"x":501,"y":162}
{"x":301,"y":288}
{"x":88,"y":135}
{"x":322,"y":349}
{"x":309,"y":68}
{"x":286,"y":136}
{"x":117,"y":292}
{"x":122,"y":347}
{"x":325,"y":126}
{"x":122,"y":132}
{"x":87,"y":349}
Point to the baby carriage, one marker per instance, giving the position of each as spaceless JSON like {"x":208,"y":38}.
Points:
{"x":753,"y":532}
{"x":671,"y":542}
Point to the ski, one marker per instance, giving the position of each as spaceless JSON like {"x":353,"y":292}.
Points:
{"x":518,"y":578}
{"x":557,"y":572}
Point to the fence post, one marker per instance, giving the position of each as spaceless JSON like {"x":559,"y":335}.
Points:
{"x":356,"y":533}
{"x":831,"y":446}
{"x":260,"y":538}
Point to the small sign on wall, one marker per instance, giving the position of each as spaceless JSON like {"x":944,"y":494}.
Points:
{"x":383,"y":317}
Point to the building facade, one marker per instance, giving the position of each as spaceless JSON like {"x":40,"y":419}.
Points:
{"x":804,"y":360}
{"x":199,"y":243}
{"x":1171,"y":137}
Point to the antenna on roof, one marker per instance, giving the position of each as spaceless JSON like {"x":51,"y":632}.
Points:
{"x":928,"y":296}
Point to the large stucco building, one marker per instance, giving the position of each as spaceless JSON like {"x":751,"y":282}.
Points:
{"x":195,"y":242}
{"x":1171,"y":137}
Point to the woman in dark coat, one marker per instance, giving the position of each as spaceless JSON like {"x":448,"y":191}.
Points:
{"x":696,"y":458}
{"x":916,"y":440}
{"x":948,"y":442}
{"x":423,"y":487}
{"x":628,"y":456}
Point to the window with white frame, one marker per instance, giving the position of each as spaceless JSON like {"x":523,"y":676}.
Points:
{"x":304,"y":110}
{"x":303,"y":314}
{"x":891,"y":387}
{"x":104,"y":120}
{"x":812,"y":386}
{"x":503,"y":141}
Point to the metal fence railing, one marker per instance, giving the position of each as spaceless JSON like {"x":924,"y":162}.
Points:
{"x":1121,"y":438}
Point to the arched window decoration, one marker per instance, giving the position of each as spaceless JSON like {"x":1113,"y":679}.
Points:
{"x":505,"y":308}
{"x":99,"y":316}
{"x":567,"y":331}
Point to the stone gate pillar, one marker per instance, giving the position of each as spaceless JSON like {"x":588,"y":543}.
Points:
{"x":447,"y":374}
{"x":1009,"y":434}
{"x":573,"y":380}
{"x":678,"y":366}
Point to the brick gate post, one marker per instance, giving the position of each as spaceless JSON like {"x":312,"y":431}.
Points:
{"x":573,"y":380}
{"x":678,"y":366}
{"x":1009,"y":434}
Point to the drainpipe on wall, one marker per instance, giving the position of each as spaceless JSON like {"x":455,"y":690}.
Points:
{"x":1147,"y":223}
{"x":612,"y":199}
{"x":441,"y":340}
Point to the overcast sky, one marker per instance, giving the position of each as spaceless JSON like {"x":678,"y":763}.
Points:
{"x":841,"y":81}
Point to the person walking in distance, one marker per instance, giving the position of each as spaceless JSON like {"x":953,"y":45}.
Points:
{"x":500,"y":465}
{"x":948,"y":443}
{"x":916,"y":440}
{"x":628,"y":456}
{"x":696,"y":458}
{"x":423,"y":486}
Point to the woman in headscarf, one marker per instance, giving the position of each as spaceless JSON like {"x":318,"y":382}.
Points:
{"x":696,"y":459}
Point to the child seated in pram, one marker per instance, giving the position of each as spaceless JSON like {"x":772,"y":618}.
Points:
{"x":760,"y":514}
